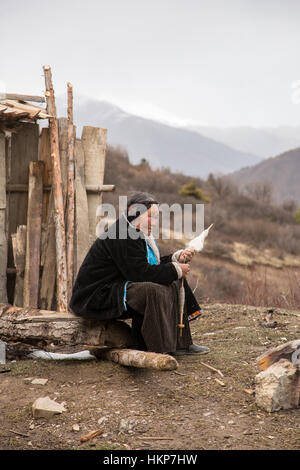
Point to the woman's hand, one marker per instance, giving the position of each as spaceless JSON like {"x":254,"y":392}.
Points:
{"x":185,"y":268}
{"x":186,"y":255}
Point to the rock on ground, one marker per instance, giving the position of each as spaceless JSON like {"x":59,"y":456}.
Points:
{"x":44,"y":407}
{"x":39,"y":381}
{"x":278,"y":386}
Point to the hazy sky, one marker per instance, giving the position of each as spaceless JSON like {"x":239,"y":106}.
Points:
{"x":213,"y":62}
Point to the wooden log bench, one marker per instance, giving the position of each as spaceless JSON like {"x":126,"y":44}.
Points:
{"x":110,"y":340}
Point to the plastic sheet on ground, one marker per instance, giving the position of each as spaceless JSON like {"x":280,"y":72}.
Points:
{"x":81,"y":355}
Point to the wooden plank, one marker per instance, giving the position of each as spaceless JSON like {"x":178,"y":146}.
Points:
{"x":3,"y":236}
{"x":19,"y":252}
{"x":70,"y":193}
{"x":283,"y":351}
{"x":94,"y":147}
{"x":2,"y":108}
{"x":10,"y":113}
{"x":16,"y":96}
{"x":81,"y":209}
{"x":16,"y":113}
{"x":45,"y":156}
{"x":63,"y":153}
{"x":100,"y":188}
{"x":33,"y":238}
{"x":48,"y":261}
{"x":23,"y":188}
{"x":61,"y":262}
{"x":48,"y":255}
{"x":22,"y":148}
{"x":30,"y":109}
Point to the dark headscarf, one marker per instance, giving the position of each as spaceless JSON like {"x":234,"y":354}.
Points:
{"x":137,"y":204}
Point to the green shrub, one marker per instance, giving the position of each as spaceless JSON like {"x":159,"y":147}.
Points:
{"x":297,"y":216}
{"x":190,"y":189}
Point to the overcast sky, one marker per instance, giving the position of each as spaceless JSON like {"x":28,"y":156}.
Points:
{"x":214,"y":62}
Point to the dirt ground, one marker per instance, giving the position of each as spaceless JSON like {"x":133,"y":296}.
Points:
{"x":182,"y":409}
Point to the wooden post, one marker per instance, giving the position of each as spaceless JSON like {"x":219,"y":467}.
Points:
{"x":61,"y":262}
{"x":33,"y":238}
{"x":94,"y":146}
{"x":19,"y":252}
{"x":3,"y":236}
{"x":70,"y":192}
{"x":81,"y":209}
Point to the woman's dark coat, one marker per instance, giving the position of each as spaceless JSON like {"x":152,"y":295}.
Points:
{"x":117,"y":256}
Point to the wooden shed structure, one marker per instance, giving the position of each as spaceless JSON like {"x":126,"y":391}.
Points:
{"x":43,"y":239}
{"x":51,"y":184}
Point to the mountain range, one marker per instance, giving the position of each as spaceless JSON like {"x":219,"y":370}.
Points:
{"x":283,"y":172}
{"x":243,"y":154}
{"x":162,"y":145}
{"x":265,"y":142}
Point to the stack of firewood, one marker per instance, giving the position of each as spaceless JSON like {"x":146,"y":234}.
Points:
{"x":14,"y":110}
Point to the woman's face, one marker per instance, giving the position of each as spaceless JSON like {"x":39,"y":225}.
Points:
{"x":148,"y":219}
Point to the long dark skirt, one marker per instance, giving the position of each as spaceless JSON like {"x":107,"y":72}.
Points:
{"x":155,"y":316}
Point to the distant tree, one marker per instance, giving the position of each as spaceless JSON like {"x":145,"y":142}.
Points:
{"x":190,"y":189}
{"x":297,"y":216}
{"x":221,"y":188}
{"x":260,"y":191}
{"x":289,"y":206}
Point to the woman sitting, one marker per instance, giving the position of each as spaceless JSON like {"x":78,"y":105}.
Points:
{"x":123,"y":276}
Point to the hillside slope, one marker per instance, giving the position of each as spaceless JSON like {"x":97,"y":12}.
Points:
{"x":282,"y":172}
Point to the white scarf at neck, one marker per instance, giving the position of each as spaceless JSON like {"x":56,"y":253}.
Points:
{"x":150,"y":240}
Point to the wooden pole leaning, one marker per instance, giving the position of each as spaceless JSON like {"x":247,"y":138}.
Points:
{"x":70,"y":192}
{"x":61,"y":262}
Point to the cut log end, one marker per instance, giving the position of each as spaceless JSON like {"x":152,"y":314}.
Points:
{"x":139,"y":359}
{"x":283,"y":351}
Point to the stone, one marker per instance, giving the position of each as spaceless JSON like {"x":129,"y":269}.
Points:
{"x":76,"y":427}
{"x":28,"y":380}
{"x":2,"y":352}
{"x":102,"y":420}
{"x":39,"y":381}
{"x":127,"y":424}
{"x":278,"y":386}
{"x":44,"y":407}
